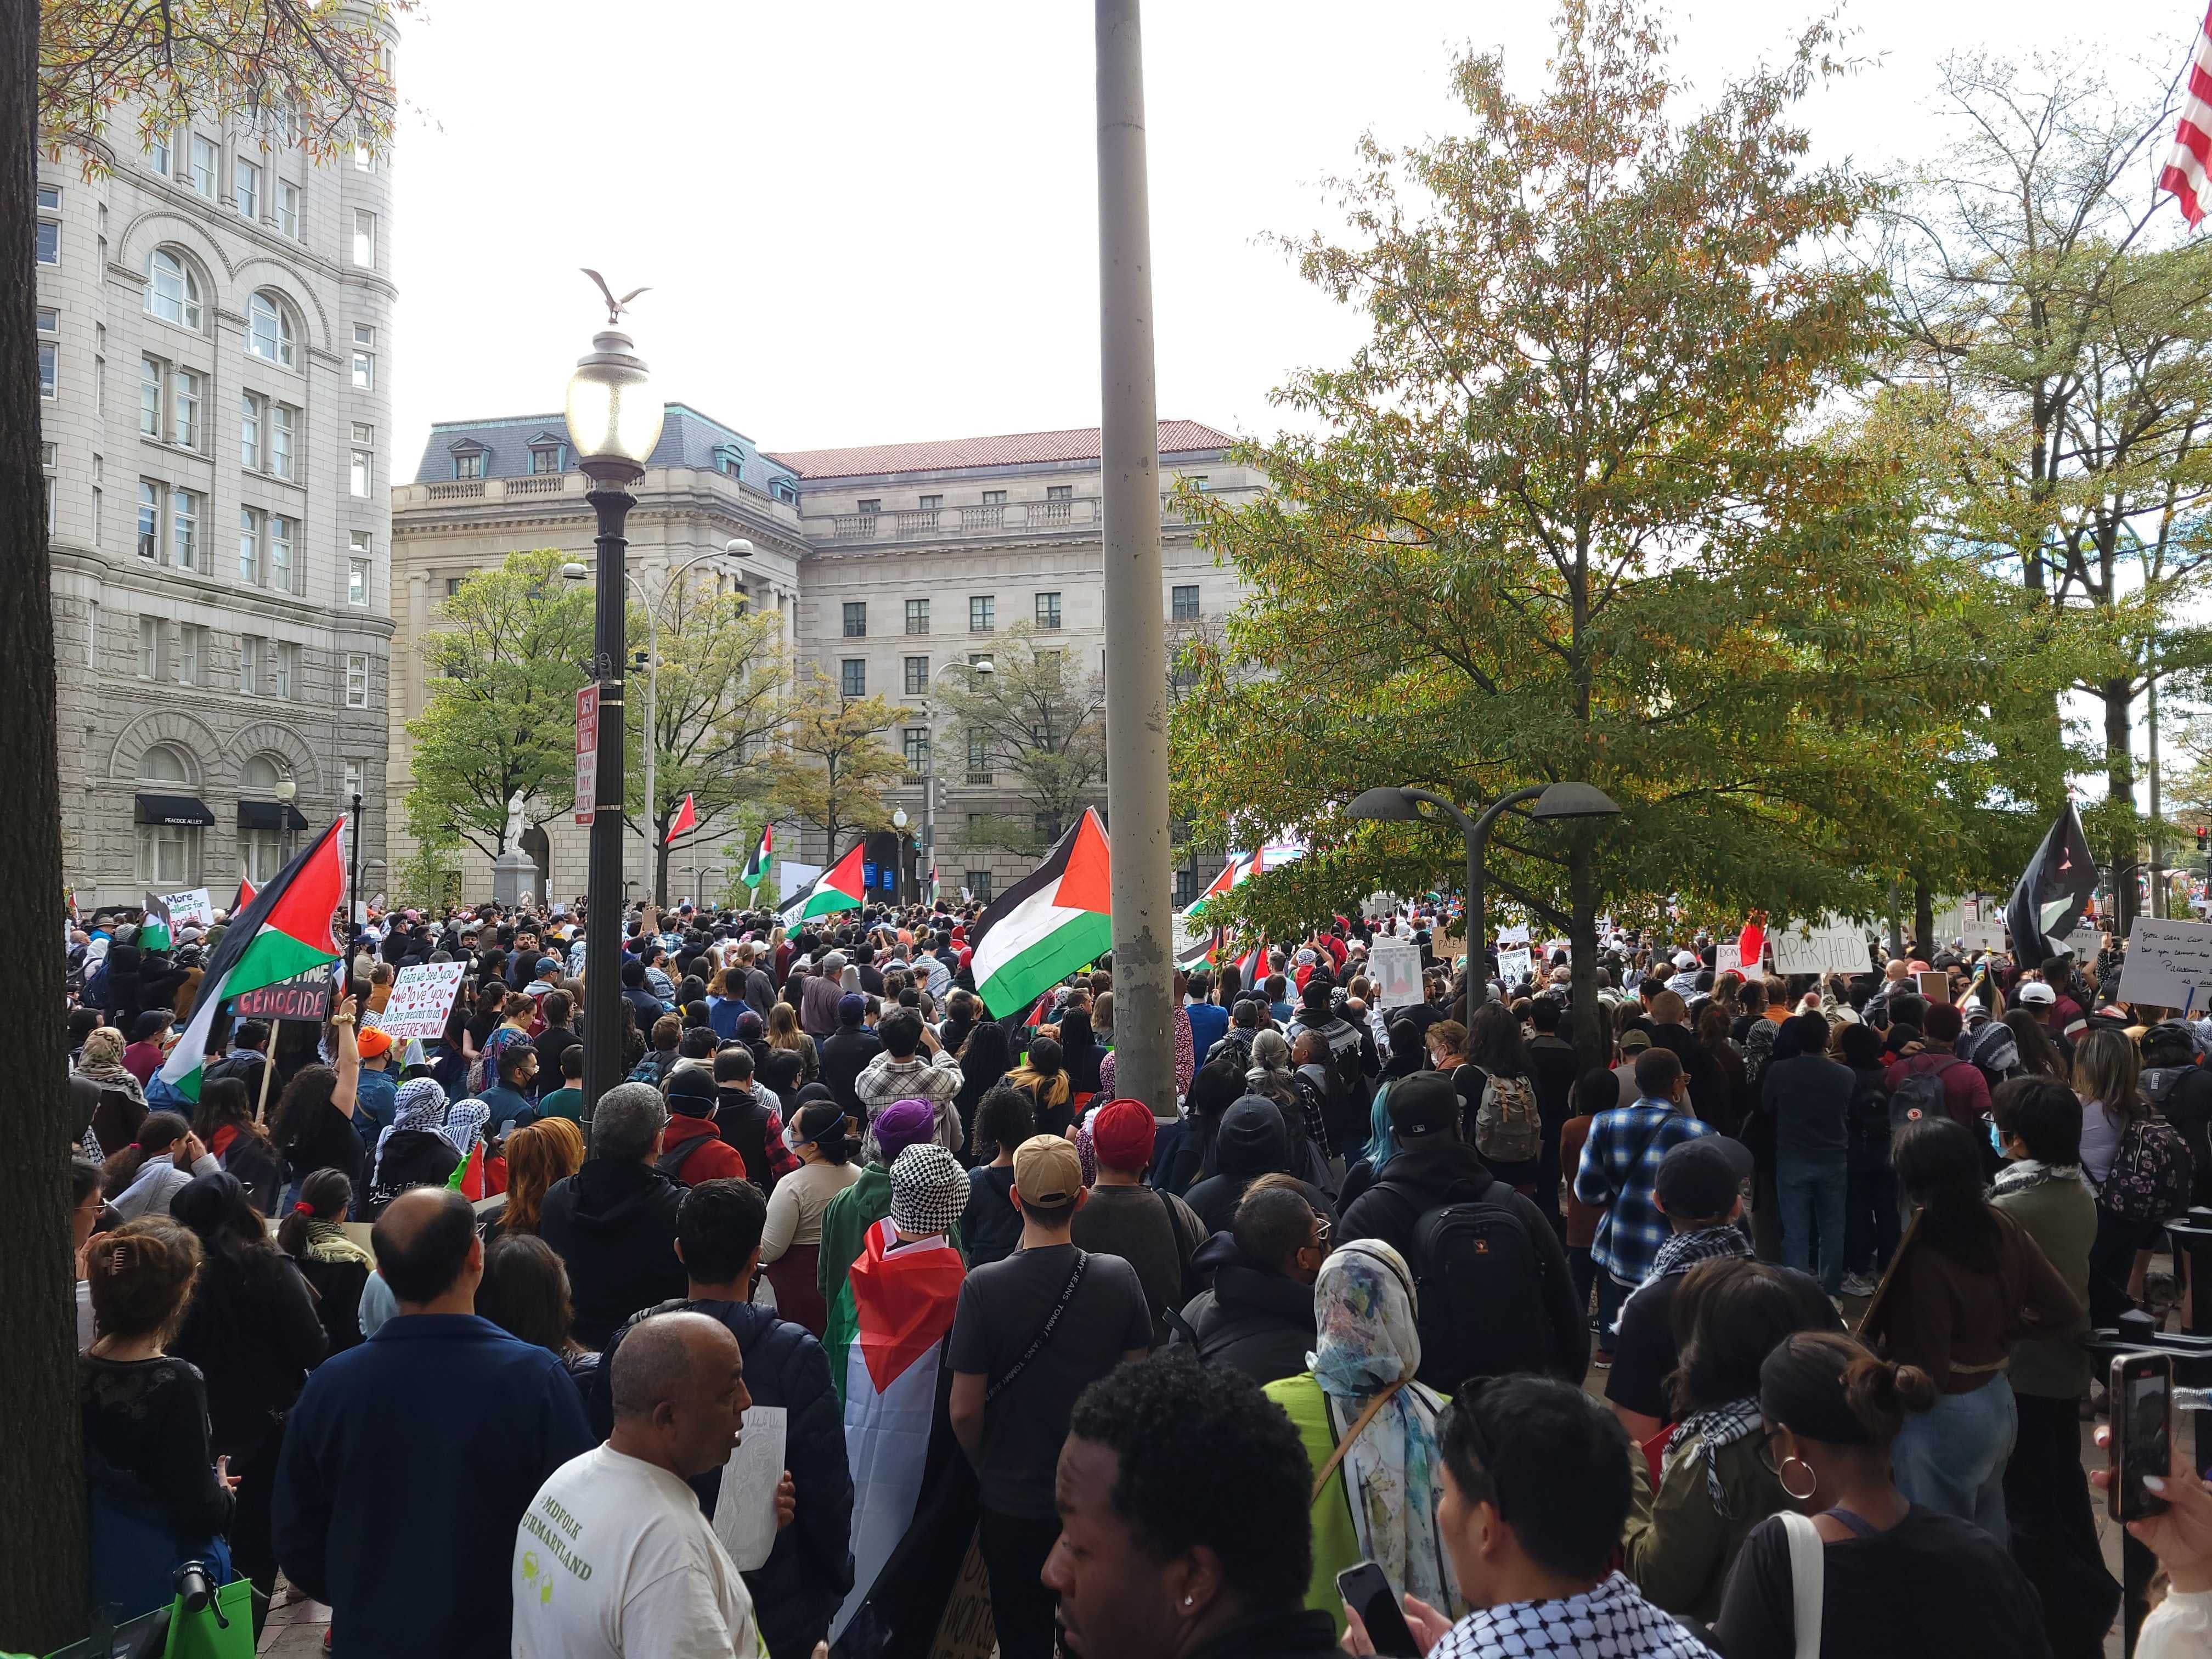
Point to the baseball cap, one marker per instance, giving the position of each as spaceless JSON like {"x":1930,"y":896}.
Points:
{"x":1635,"y":1040}
{"x":1122,"y":1133}
{"x":549,"y":964}
{"x":851,"y":1009}
{"x":1685,"y":958}
{"x":1048,"y":1173}
{"x":1423,"y":1103}
{"x":1702,"y":1177}
{"x":2036,"y":991}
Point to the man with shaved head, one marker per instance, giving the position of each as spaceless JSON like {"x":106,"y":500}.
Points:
{"x":410,"y":1461}
{"x":614,"y":1557}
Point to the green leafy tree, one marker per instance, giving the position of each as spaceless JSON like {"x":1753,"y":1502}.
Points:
{"x":503,"y":664}
{"x":830,"y":765}
{"x":1037,"y":724}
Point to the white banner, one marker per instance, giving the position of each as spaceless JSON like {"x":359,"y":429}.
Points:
{"x":2169,"y":964}
{"x":1835,"y":947}
{"x":190,"y":908}
{"x":797,"y":877}
{"x":1394,"y":965}
{"x":1514,"y":967}
{"x":421,"y":996}
{"x":1513,"y":935}
{"x":1982,"y":936}
{"x":1729,"y":959}
{"x":2085,"y":941}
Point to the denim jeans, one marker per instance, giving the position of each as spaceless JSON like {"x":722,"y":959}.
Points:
{"x":1812,"y":1195}
{"x":1952,"y":1459}
{"x":1610,"y":1294}
{"x":1870,"y":1225}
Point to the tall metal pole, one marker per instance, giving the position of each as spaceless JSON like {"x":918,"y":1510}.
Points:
{"x":353,"y":883}
{"x":2158,"y":908}
{"x":610,"y":499}
{"x":651,"y":747}
{"x":1136,"y":650}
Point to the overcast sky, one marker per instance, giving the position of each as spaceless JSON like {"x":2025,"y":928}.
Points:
{"x":865,"y":222}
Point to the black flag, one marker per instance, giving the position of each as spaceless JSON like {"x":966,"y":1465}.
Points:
{"x":2053,"y":893}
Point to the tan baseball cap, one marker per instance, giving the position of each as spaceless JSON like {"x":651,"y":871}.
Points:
{"x":1047,"y":1174}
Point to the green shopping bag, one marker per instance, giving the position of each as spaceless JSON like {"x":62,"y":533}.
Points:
{"x":221,"y":1629}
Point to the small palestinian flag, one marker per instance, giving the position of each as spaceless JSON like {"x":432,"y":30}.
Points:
{"x":467,"y":1178}
{"x":838,"y":887}
{"x":686,"y":818}
{"x":153,"y":927}
{"x":1048,"y":923}
{"x":245,"y":895}
{"x":756,"y":870}
{"x":285,"y":931}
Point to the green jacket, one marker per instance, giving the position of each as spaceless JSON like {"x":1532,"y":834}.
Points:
{"x":845,"y":1225}
{"x":1677,"y":1548}
{"x":1335,"y":1544}
{"x":2059,"y":1214}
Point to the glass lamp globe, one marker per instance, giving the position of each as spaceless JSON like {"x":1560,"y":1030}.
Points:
{"x":613,"y":414}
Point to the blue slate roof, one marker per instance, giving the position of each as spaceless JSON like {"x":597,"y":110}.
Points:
{"x":687,"y":439}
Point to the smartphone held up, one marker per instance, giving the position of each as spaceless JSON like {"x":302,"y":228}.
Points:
{"x":2141,"y":1439}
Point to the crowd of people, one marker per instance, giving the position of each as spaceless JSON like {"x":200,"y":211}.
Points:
{"x":1594,"y":1329}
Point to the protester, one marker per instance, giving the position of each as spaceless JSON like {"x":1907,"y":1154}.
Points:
{"x":1030,"y":1332}
{"x":566,"y":1101}
{"x":1808,"y":1096}
{"x":784,"y":1034}
{"x":1259,"y":1316}
{"x":1596,"y":1090}
{"x":1254,"y":1139}
{"x":985,"y":1058}
{"x":1155,"y":1232}
{"x":148,"y":1041}
{"x":791,"y":1241}
{"x":850,"y":1213}
{"x":1870,"y":1217}
{"x":2180,"y":1625}
{"x":990,"y":1224}
{"x":846,"y":1053}
{"x":538,"y":1157}
{"x":1898,"y":1578}
{"x":750,"y":1118}
{"x":314,"y":1119}
{"x":145,"y":1176}
{"x":691,"y":1149}
{"x":613,"y":1222}
{"x":413,"y":1149}
{"x":1044,"y":1080}
{"x":336,"y":1268}
{"x":901,"y":1071}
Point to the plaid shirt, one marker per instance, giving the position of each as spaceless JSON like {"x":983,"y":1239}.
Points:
{"x":1633,"y":1229}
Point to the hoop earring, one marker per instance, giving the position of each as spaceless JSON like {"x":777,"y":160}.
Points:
{"x":1812,"y":1481}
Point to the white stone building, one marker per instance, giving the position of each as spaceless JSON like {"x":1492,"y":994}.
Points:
{"x":889,"y":562}
{"x":215,"y":352}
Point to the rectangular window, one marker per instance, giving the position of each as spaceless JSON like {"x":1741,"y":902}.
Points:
{"x":245,"y":188}
{"x":49,"y":369}
{"x":281,"y":421}
{"x":364,"y":371}
{"x":982,"y":613}
{"x":915,"y":742}
{"x":1197,"y":482}
{"x":364,"y":238}
{"x":364,"y":160}
{"x":977,"y":659}
{"x":452,"y":586}
{"x":1048,"y":610}
{"x":250,"y":407}
{"x":357,"y":679}
{"x":363,"y":433}
{"x":362,"y":467}
{"x":931,"y":503}
{"x":979,"y":885}
{"x":994,"y":498}
{"x":287,"y":658}
{"x":50,"y":322}
{"x":356,"y":582}
{"x":1060,"y":492}
{"x":149,"y":519}
{"x":349,"y":776}
{"x":979,"y":749}
{"x":250,"y":670}
{"x":1183,"y":602}
{"x":288,"y":208}
{"x":468,"y":467}
{"x":546,"y":461}
{"x":185,"y":409}
{"x":184,"y":529}
{"x":96,"y":514}
{"x":917,"y":676}
{"x":852,"y":678}
{"x":150,"y":648}
{"x":151,"y":372}
{"x":204,"y":166}
{"x":157,"y":152}
{"x":191,"y":652}
{"x":917,"y":616}
{"x":364,"y":334}
{"x":856,"y":619}
{"x":166,"y":853}
{"x":282,"y":533}
{"x":250,"y":523}
{"x":100,"y":387}
{"x":872,"y":505}
{"x":50,"y":242}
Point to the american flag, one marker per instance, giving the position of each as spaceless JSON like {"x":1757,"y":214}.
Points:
{"x":2186,"y":169}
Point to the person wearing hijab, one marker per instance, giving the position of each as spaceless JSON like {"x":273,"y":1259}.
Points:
{"x":114,"y":1122}
{"x":412,"y":1150}
{"x":1370,"y":1433}
{"x":849,"y":1214}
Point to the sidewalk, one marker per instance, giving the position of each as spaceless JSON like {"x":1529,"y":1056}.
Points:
{"x":296,"y":1626}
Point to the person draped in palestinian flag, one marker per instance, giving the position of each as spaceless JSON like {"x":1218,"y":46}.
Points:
{"x":915,"y":1503}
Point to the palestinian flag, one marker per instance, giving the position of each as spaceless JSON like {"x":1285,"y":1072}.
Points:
{"x":468,"y":1176}
{"x":756,"y":870}
{"x":2053,"y":894}
{"x":838,"y":887}
{"x":1235,"y":873}
{"x":245,"y":895}
{"x":1202,"y":952}
{"x":885,"y":1340}
{"x":1048,"y":923}
{"x":153,"y":927}
{"x":285,"y":931}
{"x":687,"y":818}
{"x":1252,"y":966}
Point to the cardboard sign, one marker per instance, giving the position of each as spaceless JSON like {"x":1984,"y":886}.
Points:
{"x":1836,"y":946}
{"x":1394,"y":965}
{"x":1729,"y":959}
{"x":1935,"y":985}
{"x":2085,"y":941}
{"x":2168,"y":964}
{"x":1514,"y":967}
{"x":422,"y":997}
{"x":305,"y":997}
{"x":966,"y":1632}
{"x":1513,"y":936}
{"x":190,"y":908}
{"x":1982,"y":936}
{"x":745,"y":1514}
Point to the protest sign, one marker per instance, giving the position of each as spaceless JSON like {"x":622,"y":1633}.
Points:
{"x":1517,"y":935}
{"x":1394,"y":965}
{"x":2168,"y":964}
{"x":1729,"y":959}
{"x":1514,"y":967}
{"x":2085,"y":941}
{"x":796,"y":876}
{"x":745,"y":1513}
{"x":1982,"y":936}
{"x":303,"y":997}
{"x":1834,"y":946}
{"x":190,"y":908}
{"x":421,"y":996}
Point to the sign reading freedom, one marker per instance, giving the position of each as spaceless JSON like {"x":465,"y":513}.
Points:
{"x":302,"y":997}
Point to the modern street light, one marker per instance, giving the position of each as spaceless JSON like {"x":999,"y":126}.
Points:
{"x":614,"y":421}
{"x":1553,"y":801}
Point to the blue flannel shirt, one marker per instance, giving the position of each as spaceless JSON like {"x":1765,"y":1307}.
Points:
{"x":1631,"y":1230}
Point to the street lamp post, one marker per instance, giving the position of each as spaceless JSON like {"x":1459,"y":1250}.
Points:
{"x":1553,"y":802}
{"x":614,"y":421}
{"x":898,"y":824}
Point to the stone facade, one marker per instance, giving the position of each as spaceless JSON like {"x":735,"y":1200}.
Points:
{"x":1013,"y":519}
{"x":222,"y":624}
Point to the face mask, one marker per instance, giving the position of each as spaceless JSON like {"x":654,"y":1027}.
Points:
{"x":1996,"y":1139}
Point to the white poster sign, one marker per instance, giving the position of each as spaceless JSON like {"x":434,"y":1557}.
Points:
{"x":1835,"y":947}
{"x":1729,"y":959}
{"x":421,"y":996}
{"x":2085,"y":941}
{"x":2169,"y":964}
{"x":1517,"y":935}
{"x":797,"y":877}
{"x":190,"y":908}
{"x":1394,"y":965}
{"x":745,"y":1514}
{"x":1514,"y":967}
{"x":1982,"y":936}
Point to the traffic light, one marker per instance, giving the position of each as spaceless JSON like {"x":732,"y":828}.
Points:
{"x":2200,"y":838}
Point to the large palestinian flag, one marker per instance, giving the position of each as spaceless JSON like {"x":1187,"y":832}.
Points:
{"x":838,"y":887}
{"x":285,"y":931}
{"x":1047,"y":924}
{"x":885,"y":1340}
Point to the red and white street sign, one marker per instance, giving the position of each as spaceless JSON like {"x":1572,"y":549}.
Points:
{"x":587,"y":751}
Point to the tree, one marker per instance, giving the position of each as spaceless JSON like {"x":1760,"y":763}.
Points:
{"x":2061,"y":339}
{"x":1569,"y":515}
{"x":1039,"y":719}
{"x":499,"y":718}
{"x":719,"y":699}
{"x":830,"y":766}
{"x":170,"y":62}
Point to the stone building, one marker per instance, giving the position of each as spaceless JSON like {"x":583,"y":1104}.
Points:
{"x":213,"y":321}
{"x":888,"y":562}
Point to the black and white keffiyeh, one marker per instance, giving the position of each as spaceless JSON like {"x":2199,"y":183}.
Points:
{"x":1683,"y":1251}
{"x":1610,"y":1622}
{"x":1716,"y":1427}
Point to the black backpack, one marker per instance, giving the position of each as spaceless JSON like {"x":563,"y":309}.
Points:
{"x":1482,"y":1284}
{"x":1921,"y":1095}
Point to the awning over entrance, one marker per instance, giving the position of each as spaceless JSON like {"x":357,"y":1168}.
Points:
{"x":175,"y":809}
{"x":269,"y":815}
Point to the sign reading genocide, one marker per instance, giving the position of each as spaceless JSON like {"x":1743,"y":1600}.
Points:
{"x":304,"y":996}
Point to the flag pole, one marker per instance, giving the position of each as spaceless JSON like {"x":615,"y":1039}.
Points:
{"x":268,"y":1069}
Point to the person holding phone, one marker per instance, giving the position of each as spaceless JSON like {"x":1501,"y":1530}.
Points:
{"x":2180,"y":1535}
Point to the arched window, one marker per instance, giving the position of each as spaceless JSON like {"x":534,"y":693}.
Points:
{"x":172,"y":288}
{"x":268,"y":332}
{"x":168,"y":854}
{"x":259,"y":775}
{"x":265,"y":838}
{"x":162,"y":764}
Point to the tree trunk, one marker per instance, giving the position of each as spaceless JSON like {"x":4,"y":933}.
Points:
{"x":41,"y":1462}
{"x":1923,"y":920}
{"x":2120,"y":791}
{"x":1592,"y":1043}
{"x":660,"y":872}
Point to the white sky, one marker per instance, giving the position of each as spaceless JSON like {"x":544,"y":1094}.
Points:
{"x":865,"y":222}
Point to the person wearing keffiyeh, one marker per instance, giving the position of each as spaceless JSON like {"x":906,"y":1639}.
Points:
{"x":422,"y":1144}
{"x":1713,"y":1484}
